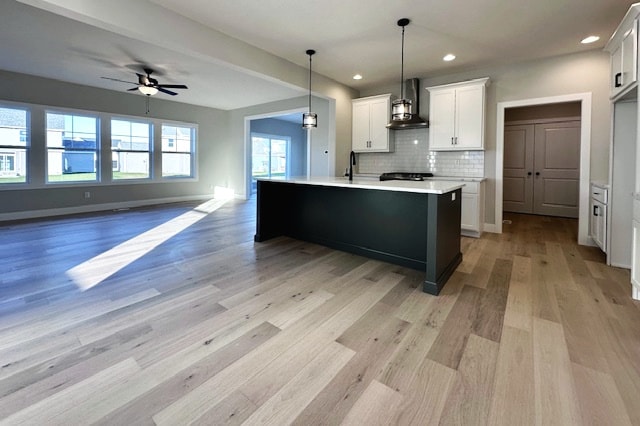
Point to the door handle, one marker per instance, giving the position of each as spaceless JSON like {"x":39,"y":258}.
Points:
{"x":618,"y":79}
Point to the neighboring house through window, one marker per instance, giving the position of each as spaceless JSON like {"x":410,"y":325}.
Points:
{"x":14,"y":145}
{"x":72,"y":148}
{"x":178,"y":150}
{"x":130,"y":149}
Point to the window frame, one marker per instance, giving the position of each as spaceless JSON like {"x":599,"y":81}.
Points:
{"x":149,"y":151}
{"x":97,"y":151}
{"x":26,"y":147}
{"x":193,"y":153}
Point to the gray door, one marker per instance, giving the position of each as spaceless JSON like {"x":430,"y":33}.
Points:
{"x":518,"y":168}
{"x":557,"y":169}
{"x":542,"y":168}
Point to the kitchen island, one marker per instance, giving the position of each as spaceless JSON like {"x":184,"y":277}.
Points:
{"x":408,"y":223}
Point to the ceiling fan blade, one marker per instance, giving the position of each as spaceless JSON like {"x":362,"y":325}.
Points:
{"x":172,"y":86}
{"x":121,"y":81}
{"x":132,"y":89}
{"x":168,"y":92}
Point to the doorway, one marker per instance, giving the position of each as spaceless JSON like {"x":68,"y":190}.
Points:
{"x":270,"y":157}
{"x":585,"y":150}
{"x":542,"y":160}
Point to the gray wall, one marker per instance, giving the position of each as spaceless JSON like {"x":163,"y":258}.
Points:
{"x":212,"y":136}
{"x":564,"y":75}
{"x":298,"y":135}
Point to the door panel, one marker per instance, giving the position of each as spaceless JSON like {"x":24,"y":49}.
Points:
{"x":518,"y":163}
{"x":557,"y":169}
{"x":551,"y":152}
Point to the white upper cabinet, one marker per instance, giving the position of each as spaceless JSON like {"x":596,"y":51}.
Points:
{"x":623,"y":47}
{"x":370,"y":118}
{"x":456,"y":116}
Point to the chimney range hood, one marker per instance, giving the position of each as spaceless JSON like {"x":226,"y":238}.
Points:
{"x":412,"y":93}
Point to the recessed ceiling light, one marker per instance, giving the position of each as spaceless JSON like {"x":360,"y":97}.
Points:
{"x":449,"y":57}
{"x":590,"y":39}
{"x":357,"y":77}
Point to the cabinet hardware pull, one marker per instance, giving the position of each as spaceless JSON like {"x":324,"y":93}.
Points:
{"x":452,"y":142}
{"x":537,"y":173}
{"x":528,"y":173}
{"x":595,"y":210}
{"x":618,"y":79}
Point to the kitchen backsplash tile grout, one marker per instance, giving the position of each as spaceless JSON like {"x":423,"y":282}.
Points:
{"x":412,"y":155}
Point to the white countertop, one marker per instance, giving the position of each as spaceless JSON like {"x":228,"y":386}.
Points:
{"x":426,"y":186}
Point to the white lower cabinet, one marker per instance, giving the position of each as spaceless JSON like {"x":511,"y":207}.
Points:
{"x":472,"y":217}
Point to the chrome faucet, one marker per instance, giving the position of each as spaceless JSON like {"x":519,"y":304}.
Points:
{"x":352,"y":162}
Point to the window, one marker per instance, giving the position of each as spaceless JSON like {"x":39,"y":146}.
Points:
{"x":178,"y":150}
{"x":269,"y":156}
{"x":14,"y":145}
{"x":130,"y":149}
{"x":72,"y":148}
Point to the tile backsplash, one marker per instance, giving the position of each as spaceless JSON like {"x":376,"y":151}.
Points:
{"x":412,"y":155}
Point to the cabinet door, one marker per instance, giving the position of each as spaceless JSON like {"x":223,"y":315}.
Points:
{"x":379,"y":115}
{"x":599,"y":223}
{"x":442,"y":106}
{"x":469,"y":217}
{"x":469,"y":117}
{"x":360,"y":134}
{"x":629,"y":49}
{"x":616,"y":71}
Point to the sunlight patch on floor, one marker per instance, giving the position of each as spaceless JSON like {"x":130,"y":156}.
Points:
{"x":95,"y":270}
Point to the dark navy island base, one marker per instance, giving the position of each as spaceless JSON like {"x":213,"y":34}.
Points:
{"x":413,"y":229}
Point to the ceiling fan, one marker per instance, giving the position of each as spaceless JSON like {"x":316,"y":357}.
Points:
{"x":149,"y":85}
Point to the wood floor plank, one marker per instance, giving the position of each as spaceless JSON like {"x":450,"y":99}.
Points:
{"x":373,"y":338}
{"x":139,"y":410}
{"x":475,"y":376}
{"x":519,"y":309}
{"x":426,"y":396}
{"x":67,"y":406}
{"x":378,"y":405}
{"x":555,"y":394}
{"x":452,"y":339}
{"x":290,"y":400}
{"x":600,"y":400}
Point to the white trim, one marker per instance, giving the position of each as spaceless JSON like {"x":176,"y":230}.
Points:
{"x":585,"y":156}
{"x":33,"y":214}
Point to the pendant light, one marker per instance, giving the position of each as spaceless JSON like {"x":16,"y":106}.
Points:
{"x":401,"y":108}
{"x":310,"y":119}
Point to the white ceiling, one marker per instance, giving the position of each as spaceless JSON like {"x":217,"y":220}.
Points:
{"x":350,"y":36}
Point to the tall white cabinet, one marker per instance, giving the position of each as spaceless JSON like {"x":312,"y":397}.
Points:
{"x":457,"y":116}
{"x":624,"y":165}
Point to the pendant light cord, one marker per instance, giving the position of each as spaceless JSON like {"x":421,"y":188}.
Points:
{"x":310,"y":54}
{"x":402,"y":67}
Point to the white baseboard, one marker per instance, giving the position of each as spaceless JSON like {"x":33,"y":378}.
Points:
{"x":33,"y":214}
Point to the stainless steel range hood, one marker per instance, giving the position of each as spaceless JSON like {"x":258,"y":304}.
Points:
{"x":412,"y":92}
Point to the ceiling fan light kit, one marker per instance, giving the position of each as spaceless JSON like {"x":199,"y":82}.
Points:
{"x":148,"y":90}
{"x":310,"y":119}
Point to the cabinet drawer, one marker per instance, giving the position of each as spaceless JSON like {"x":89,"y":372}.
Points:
{"x":599,"y":194}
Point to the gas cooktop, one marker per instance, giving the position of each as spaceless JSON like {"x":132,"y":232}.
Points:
{"x":405,"y":176}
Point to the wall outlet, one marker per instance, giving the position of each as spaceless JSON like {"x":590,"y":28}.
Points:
{"x":87,"y":194}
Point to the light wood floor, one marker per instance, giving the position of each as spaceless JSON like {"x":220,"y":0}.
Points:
{"x":212,"y":328}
